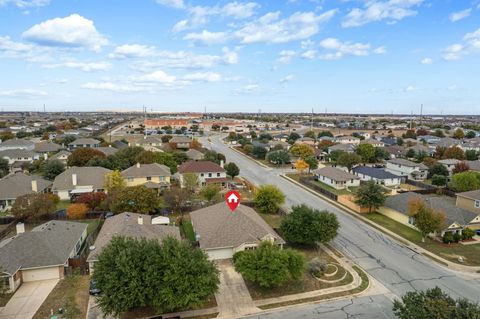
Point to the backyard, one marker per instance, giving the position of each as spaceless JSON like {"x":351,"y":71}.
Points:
{"x":470,"y":253}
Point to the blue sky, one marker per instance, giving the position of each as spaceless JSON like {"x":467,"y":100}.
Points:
{"x":375,"y":56}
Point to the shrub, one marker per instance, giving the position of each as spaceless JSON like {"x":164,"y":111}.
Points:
{"x":467,"y":233}
{"x":457,"y":237}
{"x":77,"y":211}
{"x":439,"y":180}
{"x":317,"y":267}
{"x":447,"y":237}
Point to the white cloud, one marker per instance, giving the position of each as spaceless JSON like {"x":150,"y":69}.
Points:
{"x":23,"y":93}
{"x":427,"y":61}
{"x":83,"y":66}
{"x":380,"y":50}
{"x":132,"y":51}
{"x":340,"y":49}
{"x":287,"y":78}
{"x":454,"y":52}
{"x":248,"y":89}
{"x":372,"y":11}
{"x":14,"y":49}
{"x":73,"y":31}
{"x":410,"y":88}
{"x":207,"y":37}
{"x":307,"y":44}
{"x":177,"y":4}
{"x":203,"y":77}
{"x":452,"y":87}
{"x":180,"y":26}
{"x":110,"y":86}
{"x":239,"y":10}
{"x":457,"y":16}
{"x":157,"y":77}
{"x":24,"y":4}
{"x":309,"y":54}
{"x":286,"y":56}
{"x":271,"y":29}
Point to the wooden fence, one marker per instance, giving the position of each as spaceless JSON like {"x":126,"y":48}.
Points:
{"x":310,"y":182}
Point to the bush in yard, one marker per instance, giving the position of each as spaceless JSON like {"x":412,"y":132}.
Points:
{"x":32,"y":206}
{"x":317,"y":266}
{"x":166,"y":276}
{"x":210,"y":191}
{"x":467,"y":233}
{"x":268,"y":265}
{"x":136,"y":199}
{"x":457,"y":237}
{"x":268,"y":199}
{"x":92,"y":200}
{"x":465,"y":181}
{"x":308,"y":226}
{"x":77,"y":211}
{"x":439,"y":180}
{"x":438,"y":169}
{"x":447,"y":237}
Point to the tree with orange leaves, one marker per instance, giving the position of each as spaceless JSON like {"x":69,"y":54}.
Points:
{"x":426,"y":219}
{"x":301,"y":165}
{"x":77,"y":211}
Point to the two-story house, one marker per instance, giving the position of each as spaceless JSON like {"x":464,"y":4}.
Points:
{"x":406,"y":168}
{"x":153,"y":176}
{"x":207,"y":172}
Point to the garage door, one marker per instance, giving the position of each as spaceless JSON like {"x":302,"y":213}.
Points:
{"x":216,"y":254}
{"x":40,"y":274}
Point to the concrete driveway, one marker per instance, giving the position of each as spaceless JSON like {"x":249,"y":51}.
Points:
{"x":233,"y":298}
{"x":27,"y":299}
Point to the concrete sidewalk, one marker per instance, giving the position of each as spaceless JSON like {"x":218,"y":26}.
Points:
{"x":27,"y":299}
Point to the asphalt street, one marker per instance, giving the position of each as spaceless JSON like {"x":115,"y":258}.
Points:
{"x":398,"y":268}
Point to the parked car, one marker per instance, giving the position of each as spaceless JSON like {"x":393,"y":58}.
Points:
{"x":94,"y":290}
{"x":477,"y":232}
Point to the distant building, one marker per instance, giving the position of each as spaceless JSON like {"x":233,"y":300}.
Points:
{"x":17,"y":144}
{"x":19,"y":184}
{"x":406,"y":168}
{"x":84,"y":142}
{"x":158,"y":124}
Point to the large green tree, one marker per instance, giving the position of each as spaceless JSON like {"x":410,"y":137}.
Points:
{"x":167,"y":160}
{"x":465,"y":181}
{"x":3,"y":167}
{"x":308,"y":226}
{"x":232,"y":169}
{"x":349,"y":160}
{"x":136,"y":199}
{"x":426,"y":219}
{"x":81,"y":156}
{"x":302,"y":150}
{"x":370,"y":195}
{"x":438,"y":169}
{"x":52,"y":168}
{"x":268,"y":199}
{"x":278,"y":157}
{"x":434,"y":304}
{"x":268,"y":265}
{"x":366,"y":152}
{"x":170,"y":276}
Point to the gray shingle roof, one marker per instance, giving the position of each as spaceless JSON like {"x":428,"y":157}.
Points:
{"x":18,"y":184}
{"x":199,"y":167}
{"x":142,"y":170}
{"x":475,"y":195}
{"x":46,"y":147}
{"x":194,"y":154}
{"x":335,"y":174}
{"x":218,"y":227}
{"x":107,"y":150}
{"x":374,"y":172}
{"x":474,"y":165}
{"x":342,"y":147}
{"x":442,"y":203}
{"x":180,"y":139}
{"x":126,"y":224}
{"x":17,"y":142}
{"x":86,"y":176}
{"x":61,"y":153}
{"x":16,"y":153}
{"x":84,"y":141}
{"x":404,"y":162}
{"x":49,"y":244}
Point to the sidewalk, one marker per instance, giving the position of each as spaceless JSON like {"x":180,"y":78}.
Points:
{"x":442,"y":261}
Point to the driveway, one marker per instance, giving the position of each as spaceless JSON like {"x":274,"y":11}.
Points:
{"x":27,"y":299}
{"x":233,"y":298}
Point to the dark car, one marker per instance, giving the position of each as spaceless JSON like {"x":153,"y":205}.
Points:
{"x":477,"y":232}
{"x":94,"y":290}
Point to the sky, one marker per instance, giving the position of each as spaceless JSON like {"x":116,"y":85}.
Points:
{"x":345,"y":56}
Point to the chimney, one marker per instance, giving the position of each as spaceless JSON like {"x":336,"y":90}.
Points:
{"x":138,"y":165}
{"x":221,"y":164}
{"x":34,"y":186}
{"x":74,"y":179}
{"x":140,"y":220}
{"x":20,"y":228}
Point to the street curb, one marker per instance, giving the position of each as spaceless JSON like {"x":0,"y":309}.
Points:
{"x":405,"y":242}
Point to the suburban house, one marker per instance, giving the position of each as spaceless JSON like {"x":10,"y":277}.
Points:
{"x":222,"y":233}
{"x":181,"y":142}
{"x":17,"y":143}
{"x":19,"y":184}
{"x":18,"y":155}
{"x":349,"y":148}
{"x":471,"y":202}
{"x":79,"y":180}
{"x":306,"y":140}
{"x":457,"y":218}
{"x":206,"y":171}
{"x":129,"y":225}
{"x":195,"y":155}
{"x":40,"y":254}
{"x":396,"y":151}
{"x":61,"y":156}
{"x":47,"y":147}
{"x":449,"y":163}
{"x":336,"y":178}
{"x":160,"y":123}
{"x":474,"y":165}
{"x":347,"y":140}
{"x":406,"y":168}
{"x":149,"y":143}
{"x":378,"y":175}
{"x":374,"y":143}
{"x":84,"y":142}
{"x":153,"y":176}
{"x":108,"y":150}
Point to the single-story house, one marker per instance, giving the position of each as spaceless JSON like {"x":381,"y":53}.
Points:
{"x":79,"y":180}
{"x":46,"y":147}
{"x":349,"y":148}
{"x":61,"y":156}
{"x":17,"y":143}
{"x":40,"y":254}
{"x":154,"y":176}
{"x":84,"y":142}
{"x":474,"y":165}
{"x":449,"y":163}
{"x":222,"y":233}
{"x":195,"y":155}
{"x":347,"y":140}
{"x":396,"y":151}
{"x":336,"y":178}
{"x":149,"y":143}
{"x":129,"y":225}
{"x":207,"y":172}
{"x":471,"y":202}
{"x":306,"y":140}
{"x":406,"y":168}
{"x":19,"y":155}
{"x":373,"y":142}
{"x":378,"y":175}
{"x":457,"y":218}
{"x":108,"y":150}
{"x":19,"y":184}
{"x":181,"y":142}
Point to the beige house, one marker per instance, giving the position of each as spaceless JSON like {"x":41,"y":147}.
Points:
{"x":153,"y":176}
{"x":336,"y":178}
{"x":471,"y":202}
{"x":79,"y":180}
{"x":181,"y":142}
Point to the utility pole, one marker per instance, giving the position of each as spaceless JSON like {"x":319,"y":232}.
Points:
{"x":145,"y":122}
{"x":311,"y":121}
{"x":421,"y":114}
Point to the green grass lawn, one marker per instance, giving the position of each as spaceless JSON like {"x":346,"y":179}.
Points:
{"x":470,"y":253}
{"x":187,"y":230}
{"x":296,"y":177}
{"x":63,"y":204}
{"x":273,"y":220}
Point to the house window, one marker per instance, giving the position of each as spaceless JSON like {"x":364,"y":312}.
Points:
{"x":162,"y":178}
{"x":411,"y":220}
{"x":218,"y":174}
{"x":209,"y":174}
{"x":149,"y":178}
{"x":477,"y":204}
{"x":201,"y":174}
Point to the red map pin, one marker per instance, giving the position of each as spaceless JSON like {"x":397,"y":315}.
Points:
{"x":233,"y":199}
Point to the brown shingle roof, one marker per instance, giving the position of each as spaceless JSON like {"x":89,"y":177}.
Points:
{"x":335,"y":174}
{"x":19,"y":184}
{"x":142,"y":170}
{"x":199,"y":167}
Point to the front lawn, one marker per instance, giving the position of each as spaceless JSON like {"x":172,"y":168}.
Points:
{"x":71,"y":294}
{"x":187,"y":230}
{"x":470,"y":253}
{"x":274,"y":220}
{"x":296,"y":177}
{"x":306,"y":283}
